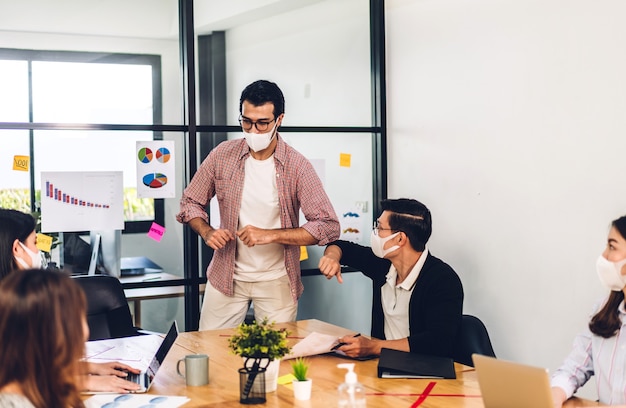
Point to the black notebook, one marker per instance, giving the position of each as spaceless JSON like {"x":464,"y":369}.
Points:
{"x":400,"y":364}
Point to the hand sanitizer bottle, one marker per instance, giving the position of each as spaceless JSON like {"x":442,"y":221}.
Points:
{"x":351,"y":392}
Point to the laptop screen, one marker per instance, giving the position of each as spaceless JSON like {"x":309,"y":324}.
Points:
{"x":165,"y":347}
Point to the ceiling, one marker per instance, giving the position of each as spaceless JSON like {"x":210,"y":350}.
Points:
{"x":133,"y":18}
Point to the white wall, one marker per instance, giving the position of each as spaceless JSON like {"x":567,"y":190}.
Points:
{"x":507,"y":119}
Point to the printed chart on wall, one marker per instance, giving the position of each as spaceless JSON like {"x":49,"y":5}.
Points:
{"x":155,"y":169}
{"x":82,"y":201}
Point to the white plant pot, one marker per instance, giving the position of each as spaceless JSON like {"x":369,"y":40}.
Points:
{"x":302,"y":389}
{"x":271,"y":376}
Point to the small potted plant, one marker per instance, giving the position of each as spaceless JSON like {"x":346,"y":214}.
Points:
{"x":301,"y":384}
{"x":259,"y":344}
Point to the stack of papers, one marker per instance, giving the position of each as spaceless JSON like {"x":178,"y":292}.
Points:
{"x":317,"y":343}
{"x":313,"y":344}
{"x":136,"y":351}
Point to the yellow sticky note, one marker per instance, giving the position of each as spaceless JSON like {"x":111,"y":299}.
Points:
{"x":21,"y":163}
{"x":304,"y":255}
{"x":44,"y":242}
{"x":286,"y":379}
{"x":344,"y":159}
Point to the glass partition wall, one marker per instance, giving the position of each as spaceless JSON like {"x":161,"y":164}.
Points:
{"x":84,"y":90}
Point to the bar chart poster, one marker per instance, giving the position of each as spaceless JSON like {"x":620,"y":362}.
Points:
{"x":155,"y":169}
{"x":82,"y":201}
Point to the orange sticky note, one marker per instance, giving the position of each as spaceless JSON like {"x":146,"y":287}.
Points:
{"x":304,"y":255}
{"x":21,"y":163}
{"x":44,"y":242}
{"x":344,"y":159}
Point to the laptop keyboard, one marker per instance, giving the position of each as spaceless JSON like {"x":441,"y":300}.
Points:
{"x":132,"y":377}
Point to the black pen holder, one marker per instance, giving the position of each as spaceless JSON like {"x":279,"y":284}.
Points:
{"x":252,"y":386}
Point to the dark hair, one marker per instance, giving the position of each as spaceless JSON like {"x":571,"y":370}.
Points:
{"x":606,"y":322}
{"x":411,"y":217}
{"x":41,"y":332}
{"x":261,"y":92}
{"x":13,"y":225}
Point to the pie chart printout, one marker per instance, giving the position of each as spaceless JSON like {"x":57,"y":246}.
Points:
{"x":145,"y":155}
{"x":155,"y":180}
{"x":163,"y":155}
{"x":155,"y":161}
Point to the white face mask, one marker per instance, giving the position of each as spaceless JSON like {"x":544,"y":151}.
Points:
{"x":35,"y":259}
{"x":609,"y":273}
{"x":378,"y":244}
{"x":259,"y":141}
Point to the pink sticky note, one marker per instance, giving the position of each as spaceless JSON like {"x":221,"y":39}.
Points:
{"x":156,"y":232}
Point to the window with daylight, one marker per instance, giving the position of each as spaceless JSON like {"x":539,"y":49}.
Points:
{"x":98,"y":90}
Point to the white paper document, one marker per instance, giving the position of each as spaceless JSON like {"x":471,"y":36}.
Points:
{"x":82,"y":201}
{"x":313,"y":344}
{"x":136,"y":351}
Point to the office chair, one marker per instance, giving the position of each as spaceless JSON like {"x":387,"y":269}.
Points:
{"x":473,"y":338}
{"x":108,"y":314}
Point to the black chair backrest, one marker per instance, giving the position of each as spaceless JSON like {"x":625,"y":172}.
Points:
{"x":473,"y":338}
{"x":108,"y":314}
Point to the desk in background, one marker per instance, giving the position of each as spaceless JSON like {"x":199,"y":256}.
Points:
{"x":136,"y":295}
{"x":223,"y":387}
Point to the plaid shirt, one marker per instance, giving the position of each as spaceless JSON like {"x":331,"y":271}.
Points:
{"x":221,"y":174}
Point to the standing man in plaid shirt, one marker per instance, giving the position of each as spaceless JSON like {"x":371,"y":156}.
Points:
{"x":261,"y":184}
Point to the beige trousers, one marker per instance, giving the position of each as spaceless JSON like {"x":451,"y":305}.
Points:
{"x":272,"y":299}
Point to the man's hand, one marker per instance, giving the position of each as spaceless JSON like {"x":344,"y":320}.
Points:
{"x":330,"y":267}
{"x":214,"y":238}
{"x":217,"y":238}
{"x":359,"y":346}
{"x":329,"y":264}
{"x":251,"y":236}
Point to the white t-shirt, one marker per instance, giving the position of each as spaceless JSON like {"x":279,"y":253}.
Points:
{"x":396,"y":298}
{"x":8,"y":400}
{"x":260,"y":208}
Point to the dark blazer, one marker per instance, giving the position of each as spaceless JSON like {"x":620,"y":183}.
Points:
{"x":436,"y":305}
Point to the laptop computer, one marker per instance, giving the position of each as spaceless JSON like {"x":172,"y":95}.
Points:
{"x":512,"y":385}
{"x":145,"y":378}
{"x":138,"y":265}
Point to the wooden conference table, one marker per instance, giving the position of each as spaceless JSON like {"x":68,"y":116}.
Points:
{"x":223,"y":387}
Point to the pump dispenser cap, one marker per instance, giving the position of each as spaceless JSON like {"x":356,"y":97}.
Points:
{"x":350,"y":375}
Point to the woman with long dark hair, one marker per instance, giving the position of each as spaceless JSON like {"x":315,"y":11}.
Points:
{"x":601,"y":350}
{"x":18,"y":251}
{"x":43,"y":329}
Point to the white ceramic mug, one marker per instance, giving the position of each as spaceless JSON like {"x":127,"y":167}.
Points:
{"x":196,"y":369}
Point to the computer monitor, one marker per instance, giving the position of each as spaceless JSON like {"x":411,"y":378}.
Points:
{"x":95,"y":254}
{"x":110,"y":250}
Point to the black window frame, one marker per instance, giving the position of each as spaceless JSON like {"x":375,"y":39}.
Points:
{"x":30,"y":56}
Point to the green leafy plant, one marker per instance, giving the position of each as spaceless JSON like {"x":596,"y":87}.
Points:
{"x":259,"y":340}
{"x":300,"y":366}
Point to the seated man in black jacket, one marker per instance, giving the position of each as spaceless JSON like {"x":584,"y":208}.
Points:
{"x":417,"y":298}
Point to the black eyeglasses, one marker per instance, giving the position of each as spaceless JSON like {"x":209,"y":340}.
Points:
{"x":261,"y":125}
{"x":377,"y":228}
